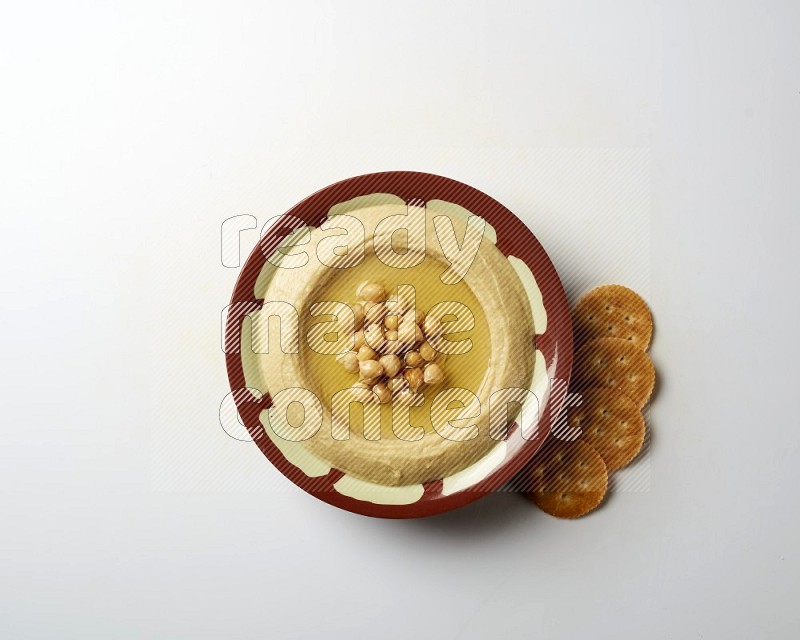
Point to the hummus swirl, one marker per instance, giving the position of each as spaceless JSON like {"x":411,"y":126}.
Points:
{"x":392,"y":460}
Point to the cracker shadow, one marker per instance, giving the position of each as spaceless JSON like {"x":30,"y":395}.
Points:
{"x":647,"y":445}
{"x":657,"y":386}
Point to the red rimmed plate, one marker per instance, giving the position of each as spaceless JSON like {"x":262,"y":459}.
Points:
{"x":553,"y":344}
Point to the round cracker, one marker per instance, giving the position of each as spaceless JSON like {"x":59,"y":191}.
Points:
{"x":617,"y":364}
{"x":567,"y":479}
{"x":610,"y":422}
{"x":612,"y":311}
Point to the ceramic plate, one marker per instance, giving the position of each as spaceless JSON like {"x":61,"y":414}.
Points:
{"x":553,"y":361}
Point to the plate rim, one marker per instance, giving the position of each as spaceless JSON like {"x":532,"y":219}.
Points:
{"x":513,"y":238}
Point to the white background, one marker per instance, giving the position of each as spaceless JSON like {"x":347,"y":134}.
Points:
{"x":654,"y":144}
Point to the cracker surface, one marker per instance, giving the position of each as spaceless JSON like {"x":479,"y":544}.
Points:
{"x":617,"y":364}
{"x":612,"y":311}
{"x":567,"y":479}
{"x":610,"y":422}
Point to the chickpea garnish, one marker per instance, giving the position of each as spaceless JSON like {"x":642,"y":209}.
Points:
{"x":433,"y":374}
{"x":349,"y":361}
{"x":414,"y":359}
{"x":383,"y":393}
{"x":370,"y":369}
{"x":372,"y":292}
{"x":384,"y":354}
{"x":427,"y":352}
{"x":415,"y":378}
{"x":391,"y":364}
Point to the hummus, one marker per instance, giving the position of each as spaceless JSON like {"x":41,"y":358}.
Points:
{"x":318,"y":265}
